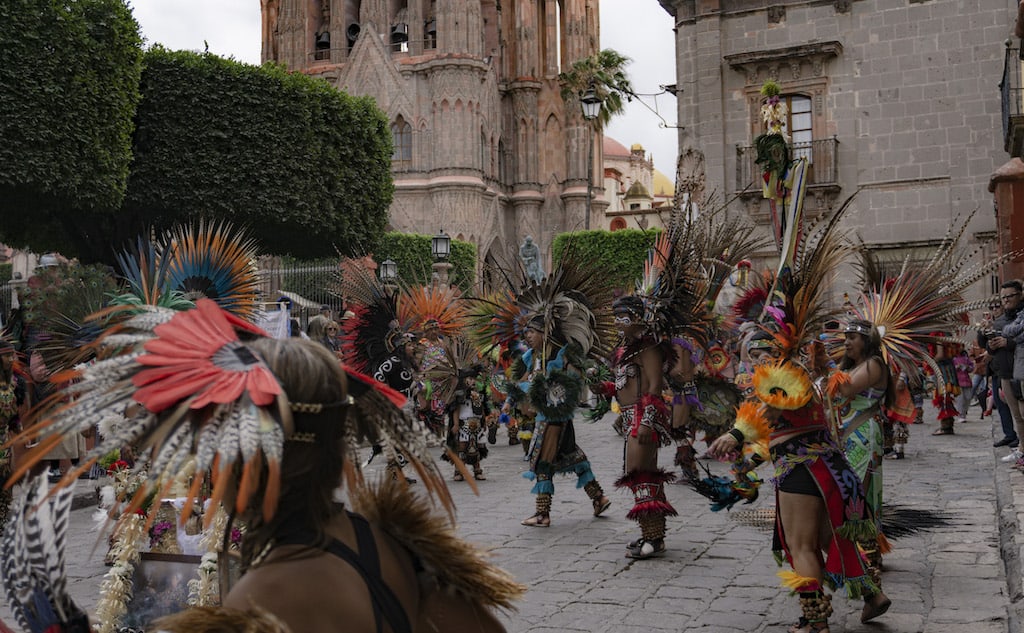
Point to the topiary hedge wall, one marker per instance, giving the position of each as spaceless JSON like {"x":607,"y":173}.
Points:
{"x":411,"y":252}
{"x":306,"y":166}
{"x":624,"y":252}
{"x":68,"y":91}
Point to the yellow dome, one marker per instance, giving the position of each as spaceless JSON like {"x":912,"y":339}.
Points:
{"x":636,"y":147}
{"x":662,"y":185}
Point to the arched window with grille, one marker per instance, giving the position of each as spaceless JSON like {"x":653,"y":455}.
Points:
{"x":617,"y":224}
{"x":401,"y":137}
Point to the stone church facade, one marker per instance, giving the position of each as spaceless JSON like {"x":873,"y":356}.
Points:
{"x":485,"y":146}
{"x":897,"y":100}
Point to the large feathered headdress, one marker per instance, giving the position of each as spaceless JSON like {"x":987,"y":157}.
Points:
{"x":921,"y":303}
{"x":376,"y":330}
{"x":571,"y":305}
{"x":191,"y":389}
{"x":435,"y":305}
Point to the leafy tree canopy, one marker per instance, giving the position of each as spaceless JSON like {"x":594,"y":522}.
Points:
{"x":604,"y":73}
{"x":68,"y":92}
{"x":306,"y":166}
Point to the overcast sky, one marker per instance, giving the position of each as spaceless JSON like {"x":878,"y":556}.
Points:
{"x":639,"y":29}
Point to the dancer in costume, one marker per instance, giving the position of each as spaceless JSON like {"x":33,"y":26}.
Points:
{"x":378,"y":343}
{"x":565,"y":321}
{"x":899,"y":415}
{"x":550,"y":385}
{"x":859,"y":401}
{"x":819,"y":499}
{"x":283,"y":419}
{"x":453,"y":380}
{"x":639,"y":378}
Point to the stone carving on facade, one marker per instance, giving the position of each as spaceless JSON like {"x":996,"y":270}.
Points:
{"x":843,"y":6}
{"x":776,"y":14}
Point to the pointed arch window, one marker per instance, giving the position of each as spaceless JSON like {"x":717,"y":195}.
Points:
{"x":401,"y":137}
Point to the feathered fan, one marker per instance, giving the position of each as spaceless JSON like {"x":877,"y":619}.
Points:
{"x":33,"y":562}
{"x":922,"y":304}
{"x":574,"y":301}
{"x":214,"y":261}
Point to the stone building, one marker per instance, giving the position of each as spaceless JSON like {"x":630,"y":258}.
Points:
{"x":637,"y":195}
{"x":893,"y":99}
{"x":485,"y":146}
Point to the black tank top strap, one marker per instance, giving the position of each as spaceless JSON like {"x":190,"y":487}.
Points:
{"x":386,"y":605}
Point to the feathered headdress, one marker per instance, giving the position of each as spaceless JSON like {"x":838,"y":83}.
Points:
{"x":921,"y":303}
{"x":798,"y":306}
{"x":572,"y":305}
{"x":437,"y":305}
{"x":193,"y":387}
{"x":459,"y":361}
{"x":376,"y":330}
{"x":212,"y":261}
{"x":33,"y":551}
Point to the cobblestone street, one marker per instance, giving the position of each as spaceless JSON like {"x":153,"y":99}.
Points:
{"x":719,"y":575}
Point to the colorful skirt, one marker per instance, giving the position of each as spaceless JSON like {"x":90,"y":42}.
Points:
{"x":841,"y":491}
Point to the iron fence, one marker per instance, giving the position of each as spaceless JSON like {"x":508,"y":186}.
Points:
{"x":822,"y":163}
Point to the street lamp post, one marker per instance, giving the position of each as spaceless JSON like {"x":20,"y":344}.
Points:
{"x":591,"y":104}
{"x":388,"y":274}
{"x":440,"y":248}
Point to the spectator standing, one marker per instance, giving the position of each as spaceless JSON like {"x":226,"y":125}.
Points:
{"x":1001,"y":351}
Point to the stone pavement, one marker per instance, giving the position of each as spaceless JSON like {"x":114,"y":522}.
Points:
{"x":718,"y":575}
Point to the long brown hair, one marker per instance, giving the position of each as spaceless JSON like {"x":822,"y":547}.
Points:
{"x":310,"y":469}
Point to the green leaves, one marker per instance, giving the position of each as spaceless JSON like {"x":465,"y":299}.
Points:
{"x":604,"y":72}
{"x":306,"y":166}
{"x":95,"y":149}
{"x":68,"y":92}
{"x":411,"y":252}
{"x":623,"y":251}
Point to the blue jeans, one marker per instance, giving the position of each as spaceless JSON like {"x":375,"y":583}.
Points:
{"x":1005,"y":418}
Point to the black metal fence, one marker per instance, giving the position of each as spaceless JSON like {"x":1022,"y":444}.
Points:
{"x":1010,"y":93}
{"x":822,"y":163}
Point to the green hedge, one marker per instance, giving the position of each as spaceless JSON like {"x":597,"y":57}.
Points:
{"x":6,"y":272}
{"x":411,"y":252}
{"x":624,"y":252}
{"x":68,"y":94}
{"x":306,"y":166}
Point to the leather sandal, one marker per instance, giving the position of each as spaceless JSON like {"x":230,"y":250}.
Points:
{"x":479,"y":475}
{"x":943,"y":432}
{"x":539,"y":519}
{"x":601,"y":504}
{"x":458,"y":477}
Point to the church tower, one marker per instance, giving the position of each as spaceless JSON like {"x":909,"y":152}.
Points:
{"x":485,"y":146}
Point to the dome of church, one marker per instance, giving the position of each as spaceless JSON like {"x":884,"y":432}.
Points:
{"x":636,"y":147}
{"x":637,"y":190}
{"x":614,"y":148}
{"x":662,"y":184}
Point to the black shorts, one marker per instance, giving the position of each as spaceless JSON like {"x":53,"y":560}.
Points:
{"x":800,"y":482}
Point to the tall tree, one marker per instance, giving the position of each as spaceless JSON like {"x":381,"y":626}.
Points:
{"x":305,"y":166}
{"x":604,"y":73}
{"x":68,"y":93}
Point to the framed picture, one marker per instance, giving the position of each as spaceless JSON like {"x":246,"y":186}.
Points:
{"x":160,"y":587}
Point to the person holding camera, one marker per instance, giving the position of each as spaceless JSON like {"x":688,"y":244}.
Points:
{"x":1001,"y":350}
